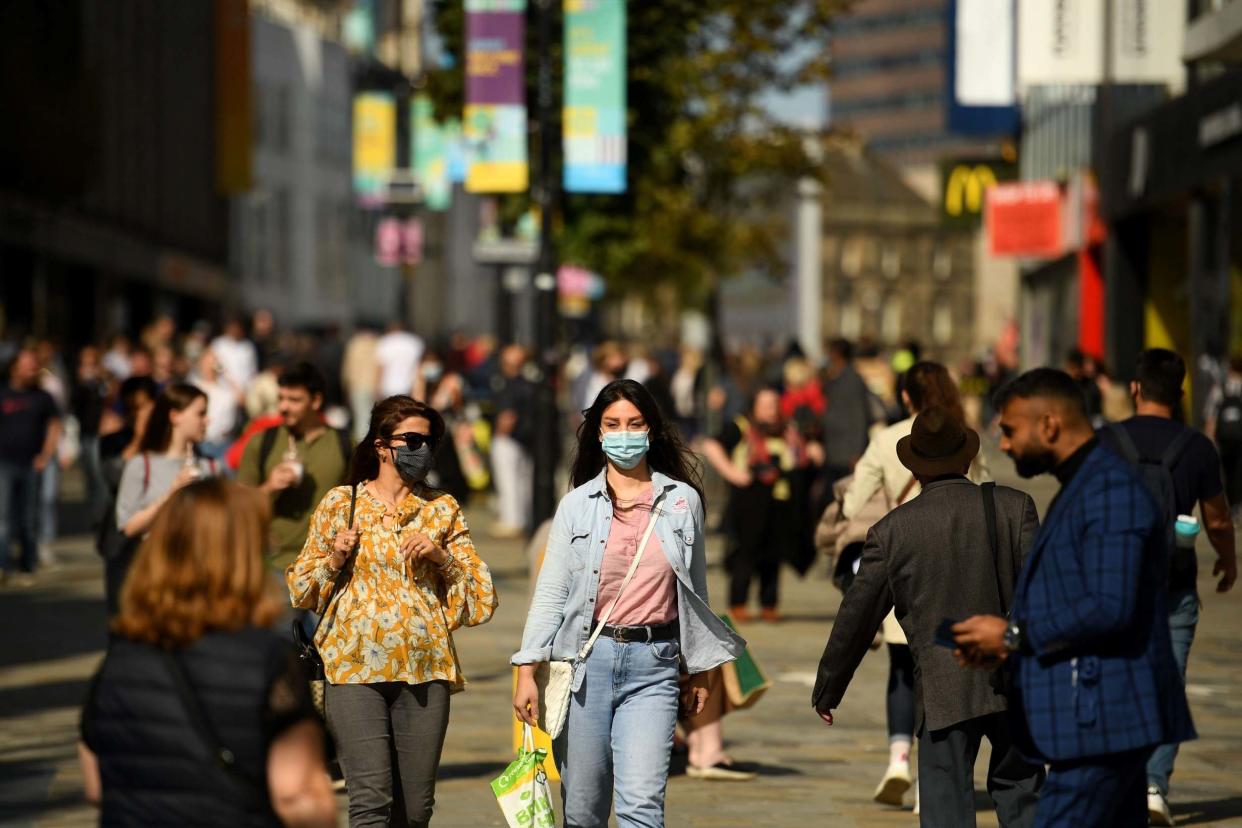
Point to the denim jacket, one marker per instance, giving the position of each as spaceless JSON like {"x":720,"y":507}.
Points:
{"x":563,"y":607}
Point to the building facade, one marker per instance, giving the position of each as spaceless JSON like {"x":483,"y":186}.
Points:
{"x":1170,"y":181}
{"x":892,"y":270}
{"x":892,"y":86}
{"x":110,"y":211}
{"x":301,"y":245}
{"x":1127,"y":61}
{"x":889,"y":82}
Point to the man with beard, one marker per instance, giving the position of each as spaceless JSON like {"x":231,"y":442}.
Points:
{"x":1095,"y":685}
{"x":954,"y":550}
{"x":768,"y":466}
{"x":295,"y":463}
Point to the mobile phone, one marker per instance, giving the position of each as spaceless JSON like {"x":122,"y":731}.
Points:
{"x":944,"y":634}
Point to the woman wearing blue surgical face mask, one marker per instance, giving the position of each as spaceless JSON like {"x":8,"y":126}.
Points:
{"x":631,"y":468}
{"x":390,"y":567}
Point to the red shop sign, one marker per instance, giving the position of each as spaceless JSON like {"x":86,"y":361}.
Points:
{"x":1024,"y":219}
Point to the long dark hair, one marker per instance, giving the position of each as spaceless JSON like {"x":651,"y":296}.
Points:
{"x":667,"y":455}
{"x":177,"y":397}
{"x":929,"y":384}
{"x":385,"y":417}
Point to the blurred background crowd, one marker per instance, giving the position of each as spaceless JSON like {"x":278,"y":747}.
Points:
{"x":484,"y":389}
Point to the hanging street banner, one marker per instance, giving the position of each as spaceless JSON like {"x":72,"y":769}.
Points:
{"x":398,"y":242}
{"x":1063,"y":42}
{"x":375,"y":146}
{"x":494,"y":125}
{"x":358,"y":27}
{"x":455,"y":150}
{"x":430,"y":154}
{"x":594,"y":117}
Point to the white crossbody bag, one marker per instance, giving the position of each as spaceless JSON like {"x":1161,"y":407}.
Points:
{"x":555,"y":678}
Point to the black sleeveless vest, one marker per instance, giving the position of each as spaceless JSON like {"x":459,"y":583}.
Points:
{"x":155,"y":767}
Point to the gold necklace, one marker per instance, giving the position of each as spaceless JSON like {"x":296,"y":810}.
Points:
{"x":390,"y":507}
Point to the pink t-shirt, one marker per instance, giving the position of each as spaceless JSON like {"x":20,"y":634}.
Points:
{"x":651,"y":597}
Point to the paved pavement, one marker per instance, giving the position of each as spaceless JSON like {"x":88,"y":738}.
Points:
{"x":810,"y":775}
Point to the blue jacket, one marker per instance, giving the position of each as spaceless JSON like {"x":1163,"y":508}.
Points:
{"x":562,"y":609}
{"x":1092,"y":600}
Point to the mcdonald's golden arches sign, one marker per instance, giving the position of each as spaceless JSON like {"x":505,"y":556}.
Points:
{"x":963,"y":185}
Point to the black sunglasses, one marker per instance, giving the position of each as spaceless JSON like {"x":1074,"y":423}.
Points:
{"x":414,"y":440}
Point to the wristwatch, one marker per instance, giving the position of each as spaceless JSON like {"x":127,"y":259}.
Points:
{"x":1013,"y":637}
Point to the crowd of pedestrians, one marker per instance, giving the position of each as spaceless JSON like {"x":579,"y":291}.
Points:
{"x":256,"y":486}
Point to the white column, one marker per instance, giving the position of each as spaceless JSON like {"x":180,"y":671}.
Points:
{"x":808,"y":269}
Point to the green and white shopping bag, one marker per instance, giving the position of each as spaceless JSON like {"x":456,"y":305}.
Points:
{"x":522,"y":791}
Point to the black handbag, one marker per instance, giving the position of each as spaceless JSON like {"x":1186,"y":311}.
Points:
{"x":1001,"y":678}
{"x":312,"y":662}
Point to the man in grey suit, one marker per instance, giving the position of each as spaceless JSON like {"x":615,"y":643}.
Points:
{"x":936,"y":558}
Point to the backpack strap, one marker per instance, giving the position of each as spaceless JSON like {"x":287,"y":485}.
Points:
{"x":1125,"y":444}
{"x":266,"y":443}
{"x":146,"y":472}
{"x":1174,"y":452}
{"x":989,"y":514}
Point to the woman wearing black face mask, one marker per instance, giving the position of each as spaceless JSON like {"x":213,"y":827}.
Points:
{"x":391,"y":587}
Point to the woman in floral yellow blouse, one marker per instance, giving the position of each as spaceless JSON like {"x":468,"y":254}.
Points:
{"x":391,"y":589}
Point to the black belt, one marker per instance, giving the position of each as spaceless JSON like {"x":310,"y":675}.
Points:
{"x":668,"y":631}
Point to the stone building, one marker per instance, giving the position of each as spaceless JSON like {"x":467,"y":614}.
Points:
{"x":891,"y":271}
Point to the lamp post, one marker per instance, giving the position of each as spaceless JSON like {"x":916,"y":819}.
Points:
{"x":547,"y":322}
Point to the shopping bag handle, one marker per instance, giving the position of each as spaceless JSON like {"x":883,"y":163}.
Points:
{"x":528,"y":738}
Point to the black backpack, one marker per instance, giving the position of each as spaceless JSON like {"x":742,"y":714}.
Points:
{"x":1157,"y":475}
{"x":1229,"y":418}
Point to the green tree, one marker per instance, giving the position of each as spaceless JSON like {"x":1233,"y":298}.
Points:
{"x":707,"y":162}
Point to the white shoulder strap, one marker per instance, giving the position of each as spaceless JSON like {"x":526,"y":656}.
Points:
{"x":629,"y":576}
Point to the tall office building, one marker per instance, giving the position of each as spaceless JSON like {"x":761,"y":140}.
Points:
{"x":890,"y":86}
{"x":889,"y":83}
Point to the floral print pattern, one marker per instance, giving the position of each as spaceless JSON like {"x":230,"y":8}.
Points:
{"x":386,"y":619}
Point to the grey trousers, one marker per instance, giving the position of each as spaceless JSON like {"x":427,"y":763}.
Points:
{"x":947,"y":775}
{"x":389,"y":737}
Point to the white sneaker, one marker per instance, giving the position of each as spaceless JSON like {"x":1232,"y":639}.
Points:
{"x":47,"y":558}
{"x":1158,"y":807}
{"x":893,"y":786}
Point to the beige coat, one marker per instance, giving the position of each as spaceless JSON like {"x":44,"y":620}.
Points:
{"x":878,"y":467}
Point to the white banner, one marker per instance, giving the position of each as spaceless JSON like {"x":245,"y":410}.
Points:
{"x":985,"y":59}
{"x":1147,"y":41}
{"x":1062,"y":41}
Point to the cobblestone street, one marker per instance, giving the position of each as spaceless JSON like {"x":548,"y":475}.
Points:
{"x":810,"y":775}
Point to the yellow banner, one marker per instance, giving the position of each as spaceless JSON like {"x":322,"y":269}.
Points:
{"x":375,"y":144}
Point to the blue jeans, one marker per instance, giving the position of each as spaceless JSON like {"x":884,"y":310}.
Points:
{"x":19,"y":505}
{"x":619,"y":735}
{"x":1096,"y":792}
{"x":49,"y":497}
{"x":1183,"y":618}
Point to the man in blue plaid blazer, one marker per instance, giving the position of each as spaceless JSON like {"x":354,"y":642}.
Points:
{"x":1095,"y":685}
